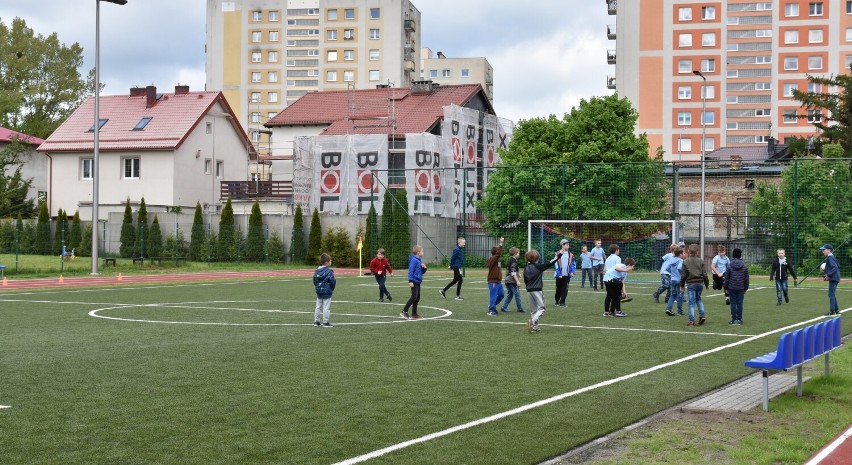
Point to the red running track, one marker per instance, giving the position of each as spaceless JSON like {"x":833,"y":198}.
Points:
{"x":836,"y":452}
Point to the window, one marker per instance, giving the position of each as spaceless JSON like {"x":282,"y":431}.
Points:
{"x":272,"y":56}
{"x":140,"y":126}
{"x":791,"y":9}
{"x":684,"y":40}
{"x":348,"y":76}
{"x":348,"y":13}
{"x":815,"y":36}
{"x":348,"y":34}
{"x":731,"y":126}
{"x":684,"y":14}
{"x":762,"y":86}
{"x":374,"y":34}
{"x":273,"y":16}
{"x":763,"y":60}
{"x":733,"y":20}
{"x":272,"y":97}
{"x":348,"y":55}
{"x":766,"y":6}
{"x":313,"y":32}
{"x":272,"y":76}
{"x":255,"y":97}
{"x":130,"y":168}
{"x":257,"y":15}
{"x":708,"y":92}
{"x":791,"y":63}
{"x":709,"y":145}
{"x":684,"y":145}
{"x":331,"y":56}
{"x":684,"y":66}
{"x":791,"y":36}
{"x":331,"y":15}
{"x":256,"y":36}
{"x":731,"y":99}
{"x":331,"y":76}
{"x":465,"y":73}
{"x":708,"y":65}
{"x":87,"y":169}
{"x":814,"y":116}
{"x":684,"y":118}
{"x":273,"y":36}
{"x":708,"y":12}
{"x":208,"y":166}
{"x":209,"y":128}
{"x":708,"y":39}
{"x":847,"y":61}
{"x":815,"y":62}
{"x":220,"y":168}
{"x":790,"y":116}
{"x":255,"y":117}
{"x":101,"y":123}
{"x":313,"y":11}
{"x":708,"y":118}
{"x":271,"y":115}
{"x":849,"y":8}
{"x":814,"y":87}
{"x":848,"y":34}
{"x":815,"y":9}
{"x":255,"y":57}
{"x":446,"y":73}
{"x":255,"y":136}
{"x":374,"y":75}
{"x":374,"y":54}
{"x":331,"y":34}
{"x":789,"y":88}
{"x":732,"y":73}
{"x":433,"y":73}
{"x":763,"y":33}
{"x":375,"y":13}
{"x":684,"y":92}
{"x":255,"y":76}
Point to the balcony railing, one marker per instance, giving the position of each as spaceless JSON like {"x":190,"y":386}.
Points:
{"x":610,"y":82}
{"x":612,"y":6}
{"x":610,"y":31}
{"x":610,"y":57}
{"x":408,"y":25}
{"x":240,"y":190}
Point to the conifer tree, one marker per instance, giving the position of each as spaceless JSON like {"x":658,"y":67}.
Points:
{"x":314,"y":239}
{"x":154,"y":243}
{"x":61,"y":233}
{"x":226,"y":233}
{"x":128,"y":232}
{"x":76,"y":235}
{"x":197,"y":236}
{"x":371,"y":231}
{"x":255,"y":242}
{"x":85,"y":249}
{"x":297,"y":241}
{"x":140,"y":247}
{"x":42,"y":238}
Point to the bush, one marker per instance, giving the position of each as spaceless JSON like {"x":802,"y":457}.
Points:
{"x":338,"y":244}
{"x":85,"y":249}
{"x":276,"y":248}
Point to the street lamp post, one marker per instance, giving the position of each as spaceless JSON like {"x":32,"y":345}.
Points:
{"x":701,"y":219}
{"x":96,"y":159}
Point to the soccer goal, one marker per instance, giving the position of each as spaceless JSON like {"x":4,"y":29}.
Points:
{"x":646,"y":241}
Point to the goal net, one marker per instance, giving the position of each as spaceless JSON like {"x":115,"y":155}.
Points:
{"x":646,"y":241}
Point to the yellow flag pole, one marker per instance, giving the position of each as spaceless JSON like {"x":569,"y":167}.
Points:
{"x":360,"y":247}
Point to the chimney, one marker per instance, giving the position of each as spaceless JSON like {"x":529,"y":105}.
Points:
{"x":382,"y":86}
{"x":421,"y":87}
{"x":441,"y":55}
{"x":181,"y":89}
{"x":137,"y":91}
{"x":150,"y":96}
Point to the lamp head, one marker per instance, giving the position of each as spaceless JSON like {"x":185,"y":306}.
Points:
{"x":117,"y":2}
{"x":698,"y":73}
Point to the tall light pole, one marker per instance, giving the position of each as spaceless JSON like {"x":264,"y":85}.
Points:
{"x":96,"y":160}
{"x":701,"y":219}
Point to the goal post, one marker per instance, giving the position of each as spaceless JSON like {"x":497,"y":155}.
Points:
{"x":646,"y":241}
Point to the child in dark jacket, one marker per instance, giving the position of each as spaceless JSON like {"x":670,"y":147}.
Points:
{"x":495,"y":279}
{"x":736,"y":282}
{"x":324,"y":283}
{"x":416,"y":268}
{"x":533,"y":273}
{"x":781,"y":268}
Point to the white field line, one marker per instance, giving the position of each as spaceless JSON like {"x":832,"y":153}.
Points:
{"x":550,"y":400}
{"x":5,"y":406}
{"x":162,"y":286}
{"x":831,"y":447}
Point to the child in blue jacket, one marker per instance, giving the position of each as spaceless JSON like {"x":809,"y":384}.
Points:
{"x":416,"y":268}
{"x":324,"y":283}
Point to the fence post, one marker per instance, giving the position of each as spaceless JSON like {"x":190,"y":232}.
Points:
{"x":795,"y":210}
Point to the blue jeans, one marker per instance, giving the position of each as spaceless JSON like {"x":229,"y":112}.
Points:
{"x":495,"y":295}
{"x":665,"y":286}
{"x":383,"y":291}
{"x":675,"y":295}
{"x":780,"y":287}
{"x":695,"y":290}
{"x":512,"y":290}
{"x":832,"y":296}
{"x":737,"y":297}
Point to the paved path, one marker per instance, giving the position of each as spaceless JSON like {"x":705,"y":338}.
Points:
{"x":742,"y":395}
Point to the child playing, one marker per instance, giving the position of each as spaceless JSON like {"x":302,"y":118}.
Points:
{"x":694,"y":276}
{"x":513,"y":281}
{"x":665,"y":277}
{"x":456,"y":264}
{"x":718,"y":266}
{"x":565,"y":268}
{"x":533,"y":273}
{"x":586,"y":266}
{"x":416,"y":268}
{"x":780,"y":268}
{"x":324,"y":283}
{"x":736,"y":282}
{"x":597,"y":254}
{"x":380,"y":267}
{"x":495,"y":279}
{"x":673,"y":266}
{"x":613,"y":281}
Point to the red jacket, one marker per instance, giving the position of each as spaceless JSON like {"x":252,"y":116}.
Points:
{"x":380,"y":266}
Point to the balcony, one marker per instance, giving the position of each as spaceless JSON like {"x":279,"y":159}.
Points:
{"x":612,"y":6}
{"x":610,"y":31}
{"x":408,"y":65}
{"x":610,"y":57}
{"x":241,"y":190}
{"x":610,"y":82}
{"x":408,"y":25}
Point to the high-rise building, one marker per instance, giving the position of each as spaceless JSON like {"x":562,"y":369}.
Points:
{"x":442,"y":70}
{"x":752,"y":55}
{"x":265,"y":54}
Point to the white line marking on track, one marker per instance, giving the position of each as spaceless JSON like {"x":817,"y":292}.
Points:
{"x":550,"y":400}
{"x":831,"y":447}
{"x":556,"y":325}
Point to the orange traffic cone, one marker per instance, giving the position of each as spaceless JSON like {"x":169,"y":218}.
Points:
{"x":5,"y":281}
{"x":119,"y":277}
{"x":61,"y":279}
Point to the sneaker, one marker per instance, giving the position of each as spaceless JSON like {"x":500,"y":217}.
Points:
{"x":529,"y":326}
{"x":656,"y":298}
{"x":416,"y":316}
{"x":626,"y":299}
{"x":382,"y":300}
{"x":727,"y":301}
{"x":739,"y":322}
{"x":404,"y":315}
{"x":670,"y":313}
{"x":732,"y":322}
{"x":620,"y":314}
{"x":390,"y":299}
{"x":316,"y":323}
{"x":787,"y":299}
{"x":680,"y":314}
{"x":521,"y":310}
{"x":443,"y":293}
{"x":327,"y":325}
{"x":535,"y":329}
{"x":492,"y":313}
{"x":701,"y":320}
{"x":691,"y":323}
{"x":778,"y":303}
{"x":458,"y":297}
{"x":606,"y":314}
{"x":504,"y":309}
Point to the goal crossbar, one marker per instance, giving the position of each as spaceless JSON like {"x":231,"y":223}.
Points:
{"x":672,"y":224}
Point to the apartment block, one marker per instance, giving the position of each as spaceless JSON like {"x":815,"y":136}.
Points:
{"x":265,"y":54}
{"x":442,"y":70}
{"x":751,"y":56}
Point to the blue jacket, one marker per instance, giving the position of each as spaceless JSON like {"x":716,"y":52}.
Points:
{"x":457,"y":258}
{"x":832,"y":268}
{"x":415,"y":269}
{"x":673,"y":266}
{"x":568,"y":261}
{"x":324,"y":282}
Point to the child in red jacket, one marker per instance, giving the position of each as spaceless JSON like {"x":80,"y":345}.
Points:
{"x":380,"y":267}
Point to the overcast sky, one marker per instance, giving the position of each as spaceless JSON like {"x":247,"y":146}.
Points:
{"x":546,"y":54}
